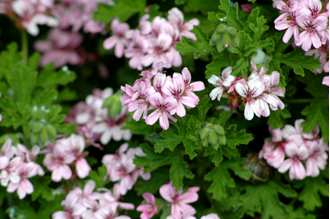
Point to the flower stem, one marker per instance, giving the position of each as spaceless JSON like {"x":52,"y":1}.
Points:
{"x":25,"y":50}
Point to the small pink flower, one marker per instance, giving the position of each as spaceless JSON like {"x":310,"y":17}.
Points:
{"x":325,"y":81}
{"x":317,"y":158}
{"x":149,"y":209}
{"x":175,"y":17}
{"x":179,"y":201}
{"x":24,"y":186}
{"x":296,"y":155}
{"x":164,"y":107}
{"x":221,"y":83}
{"x":210,"y":216}
{"x":118,"y":40}
{"x":251,"y":90}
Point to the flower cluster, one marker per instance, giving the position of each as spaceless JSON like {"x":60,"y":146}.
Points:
{"x":60,"y":47}
{"x":290,"y":148}
{"x":17,"y":166}
{"x":154,"y":42}
{"x":63,"y":154}
{"x":29,"y":13}
{"x":86,"y":204}
{"x":78,"y":14}
{"x":165,"y":95}
{"x":306,"y":20}
{"x":178,"y":201}
{"x":94,"y":122}
{"x":255,"y":93}
{"x":120,"y":167}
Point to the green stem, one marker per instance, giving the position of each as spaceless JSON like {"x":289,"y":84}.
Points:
{"x":299,"y":100}
{"x":25,"y":50}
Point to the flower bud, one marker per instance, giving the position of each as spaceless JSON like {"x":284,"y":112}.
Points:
{"x":215,"y":37}
{"x":235,"y":40}
{"x":205,"y":132}
{"x":213,"y":137}
{"x":221,"y":28}
{"x":232,"y":31}
{"x":219,"y":130}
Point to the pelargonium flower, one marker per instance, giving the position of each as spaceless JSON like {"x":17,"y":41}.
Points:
{"x":120,"y":167}
{"x":165,"y":95}
{"x":60,"y":47}
{"x":154,"y":42}
{"x":256,"y":93}
{"x":291,"y":148}
{"x":210,"y":216}
{"x":179,"y":201}
{"x":118,"y":39}
{"x":149,"y":209}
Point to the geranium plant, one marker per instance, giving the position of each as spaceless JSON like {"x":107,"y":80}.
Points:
{"x":184,"y":109}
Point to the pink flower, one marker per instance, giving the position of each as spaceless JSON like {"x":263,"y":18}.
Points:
{"x":221,"y":83}
{"x":24,"y":186}
{"x":325,"y":81}
{"x":118,"y":40}
{"x":309,"y":36}
{"x":175,"y":17}
{"x":210,"y":216}
{"x":179,"y":201}
{"x":164,"y":107}
{"x":251,"y":90}
{"x":317,"y":158}
{"x":136,"y":50}
{"x":276,"y":158}
{"x":246,"y":7}
{"x":72,"y":208}
{"x":58,"y":161}
{"x":60,"y":47}
{"x":109,"y":212}
{"x":148,"y":210}
{"x":296,"y":155}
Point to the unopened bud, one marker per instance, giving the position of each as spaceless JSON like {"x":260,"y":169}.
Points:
{"x":213,"y":137}
{"x":220,"y":47}
{"x":216,"y":37}
{"x":232,"y":31}
{"x":226,"y":39}
{"x":205,"y":132}
{"x":221,"y":28}
{"x":222,"y":139}
{"x":235,"y":40}
{"x":219,"y":130}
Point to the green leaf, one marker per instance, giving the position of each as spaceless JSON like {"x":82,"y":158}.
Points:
{"x":201,"y":5}
{"x":123,"y":9}
{"x":310,"y":193}
{"x":216,"y":155}
{"x":98,"y":176}
{"x":170,"y":141}
{"x":179,"y":169}
{"x":235,"y":138}
{"x":277,"y":118}
{"x":317,"y":113}
{"x":158,"y":178}
{"x":257,"y":24}
{"x":230,"y":13}
{"x":153,"y":160}
{"x":49,"y":77}
{"x":45,"y":97}
{"x":263,"y":198}
{"x":221,"y":178}
{"x":203,"y":107}
{"x":41,"y":188}
{"x":199,"y":47}
{"x":138,"y":127}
